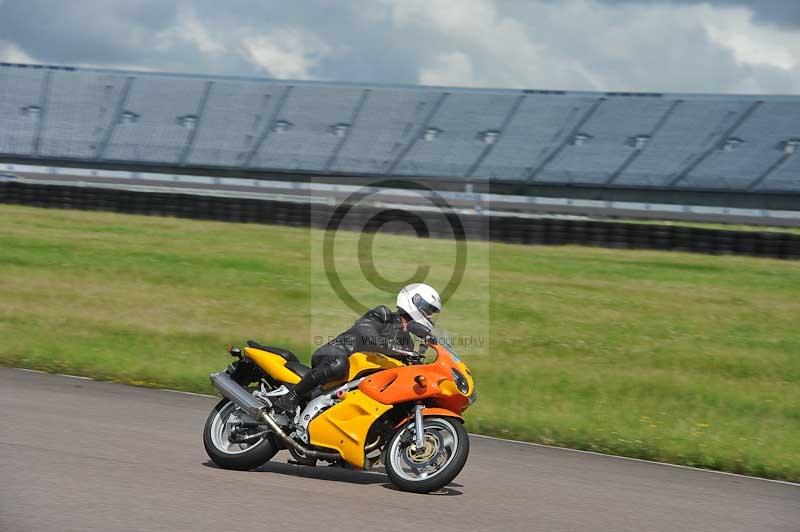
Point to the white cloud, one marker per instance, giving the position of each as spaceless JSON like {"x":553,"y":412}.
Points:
{"x":190,"y":30}
{"x":286,"y":52}
{"x":450,"y":68}
{"x":11,"y":53}
{"x":119,"y":66}
{"x":504,"y":51}
{"x":588,"y":44}
{"x":751,"y":43}
{"x":635,"y":45}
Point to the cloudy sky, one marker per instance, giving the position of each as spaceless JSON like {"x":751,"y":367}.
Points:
{"x":735,"y":46}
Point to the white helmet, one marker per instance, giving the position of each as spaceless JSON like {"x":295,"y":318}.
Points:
{"x":421,"y":302}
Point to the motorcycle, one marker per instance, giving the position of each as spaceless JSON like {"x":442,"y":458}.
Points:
{"x":401,"y":410}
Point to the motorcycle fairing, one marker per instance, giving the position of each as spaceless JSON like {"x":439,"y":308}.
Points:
{"x":274,"y":365}
{"x":360,"y":363}
{"x":363,"y":363}
{"x":413,"y":383}
{"x":432,"y":411}
{"x":344,"y":426}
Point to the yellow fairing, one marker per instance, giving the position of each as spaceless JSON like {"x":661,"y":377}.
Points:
{"x":344,"y":426}
{"x":273,"y":364}
{"x":369,"y":361}
{"x":364,"y":362}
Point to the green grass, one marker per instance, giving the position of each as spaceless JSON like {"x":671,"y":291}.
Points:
{"x":691,"y":359}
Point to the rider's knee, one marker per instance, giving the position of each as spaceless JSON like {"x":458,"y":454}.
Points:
{"x":338,"y":368}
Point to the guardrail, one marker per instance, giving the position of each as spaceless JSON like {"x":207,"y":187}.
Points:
{"x":306,"y":190}
{"x":511,"y":229}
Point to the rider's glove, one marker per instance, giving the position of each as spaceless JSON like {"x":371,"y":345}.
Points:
{"x":394,"y":350}
{"x":387,"y":347}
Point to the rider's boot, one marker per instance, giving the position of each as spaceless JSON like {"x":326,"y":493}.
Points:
{"x":288,"y":402}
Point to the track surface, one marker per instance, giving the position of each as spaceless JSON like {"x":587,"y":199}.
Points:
{"x":85,"y":455}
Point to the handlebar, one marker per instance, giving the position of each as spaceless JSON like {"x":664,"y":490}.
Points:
{"x":404,"y":353}
{"x":409,"y":356}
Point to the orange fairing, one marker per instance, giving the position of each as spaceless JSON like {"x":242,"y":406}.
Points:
{"x":414,"y":383}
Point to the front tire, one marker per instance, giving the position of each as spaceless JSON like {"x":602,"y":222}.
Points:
{"x":228,"y":455}
{"x":432,"y":468}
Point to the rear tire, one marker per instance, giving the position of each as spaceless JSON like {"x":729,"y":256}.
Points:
{"x":229,"y":455}
{"x":453,"y":440}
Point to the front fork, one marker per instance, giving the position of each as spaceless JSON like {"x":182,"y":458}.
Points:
{"x":419,"y":441}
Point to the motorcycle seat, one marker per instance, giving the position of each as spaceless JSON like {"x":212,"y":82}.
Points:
{"x":287,"y":355}
{"x":298,"y":368}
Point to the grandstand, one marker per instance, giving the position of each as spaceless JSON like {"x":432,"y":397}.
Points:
{"x":674,"y":148}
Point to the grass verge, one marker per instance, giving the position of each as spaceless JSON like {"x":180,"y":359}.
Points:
{"x":691,"y":359}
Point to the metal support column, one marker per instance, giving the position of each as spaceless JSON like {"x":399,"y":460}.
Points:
{"x":574,"y":131}
{"x":636,"y":153}
{"x":706,"y":154}
{"x":44,"y":100}
{"x":268,"y":127}
{"x":418,"y":133}
{"x":115,"y":118}
{"x":187,"y":149}
{"x":488,"y":148}
{"x":353,"y":118}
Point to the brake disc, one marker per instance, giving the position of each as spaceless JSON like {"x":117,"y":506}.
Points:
{"x":421,"y":460}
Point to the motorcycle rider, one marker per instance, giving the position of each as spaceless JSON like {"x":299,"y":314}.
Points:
{"x":379,"y":330}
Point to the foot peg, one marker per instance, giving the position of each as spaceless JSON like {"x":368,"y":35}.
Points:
{"x":287,"y":403}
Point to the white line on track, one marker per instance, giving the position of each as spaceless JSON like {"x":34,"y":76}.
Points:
{"x":796,"y":485}
{"x":75,"y":377}
{"x":186,"y":393}
{"x":616,"y":457}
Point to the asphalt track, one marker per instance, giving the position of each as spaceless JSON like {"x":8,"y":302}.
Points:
{"x":81,"y":455}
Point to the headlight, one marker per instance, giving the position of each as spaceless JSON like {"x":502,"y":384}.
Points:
{"x":460,"y":380}
{"x":472,"y":398}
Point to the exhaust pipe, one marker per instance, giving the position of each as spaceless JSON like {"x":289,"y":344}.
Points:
{"x":230,"y":389}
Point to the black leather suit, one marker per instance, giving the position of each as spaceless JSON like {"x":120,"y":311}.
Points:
{"x":376,"y":331}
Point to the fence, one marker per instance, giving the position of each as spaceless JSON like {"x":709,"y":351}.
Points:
{"x":518,"y":230}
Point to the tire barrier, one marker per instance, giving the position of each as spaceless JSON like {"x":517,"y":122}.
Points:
{"x":509,"y":229}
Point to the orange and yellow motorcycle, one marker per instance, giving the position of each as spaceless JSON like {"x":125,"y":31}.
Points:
{"x":402,"y":410}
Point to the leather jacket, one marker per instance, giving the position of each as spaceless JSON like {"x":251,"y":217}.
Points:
{"x":378,"y":330}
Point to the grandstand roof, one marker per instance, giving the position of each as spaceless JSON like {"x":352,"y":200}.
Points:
{"x":726,"y":142}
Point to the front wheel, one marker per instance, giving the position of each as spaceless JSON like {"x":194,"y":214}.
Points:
{"x":223,"y":420}
{"x":436,"y":464}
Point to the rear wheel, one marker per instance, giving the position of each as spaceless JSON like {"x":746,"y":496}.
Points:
{"x":435,"y":465}
{"x":223,"y":425}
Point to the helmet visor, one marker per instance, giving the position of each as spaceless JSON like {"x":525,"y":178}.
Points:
{"x":424,"y":306}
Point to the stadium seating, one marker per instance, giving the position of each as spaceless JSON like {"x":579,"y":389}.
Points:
{"x":694,"y":127}
{"x":786,"y":178}
{"x":235,"y":114}
{"x":459,"y":122}
{"x":386,"y":123}
{"x":742,"y":143}
{"x":20,"y":111}
{"x":611,"y":131}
